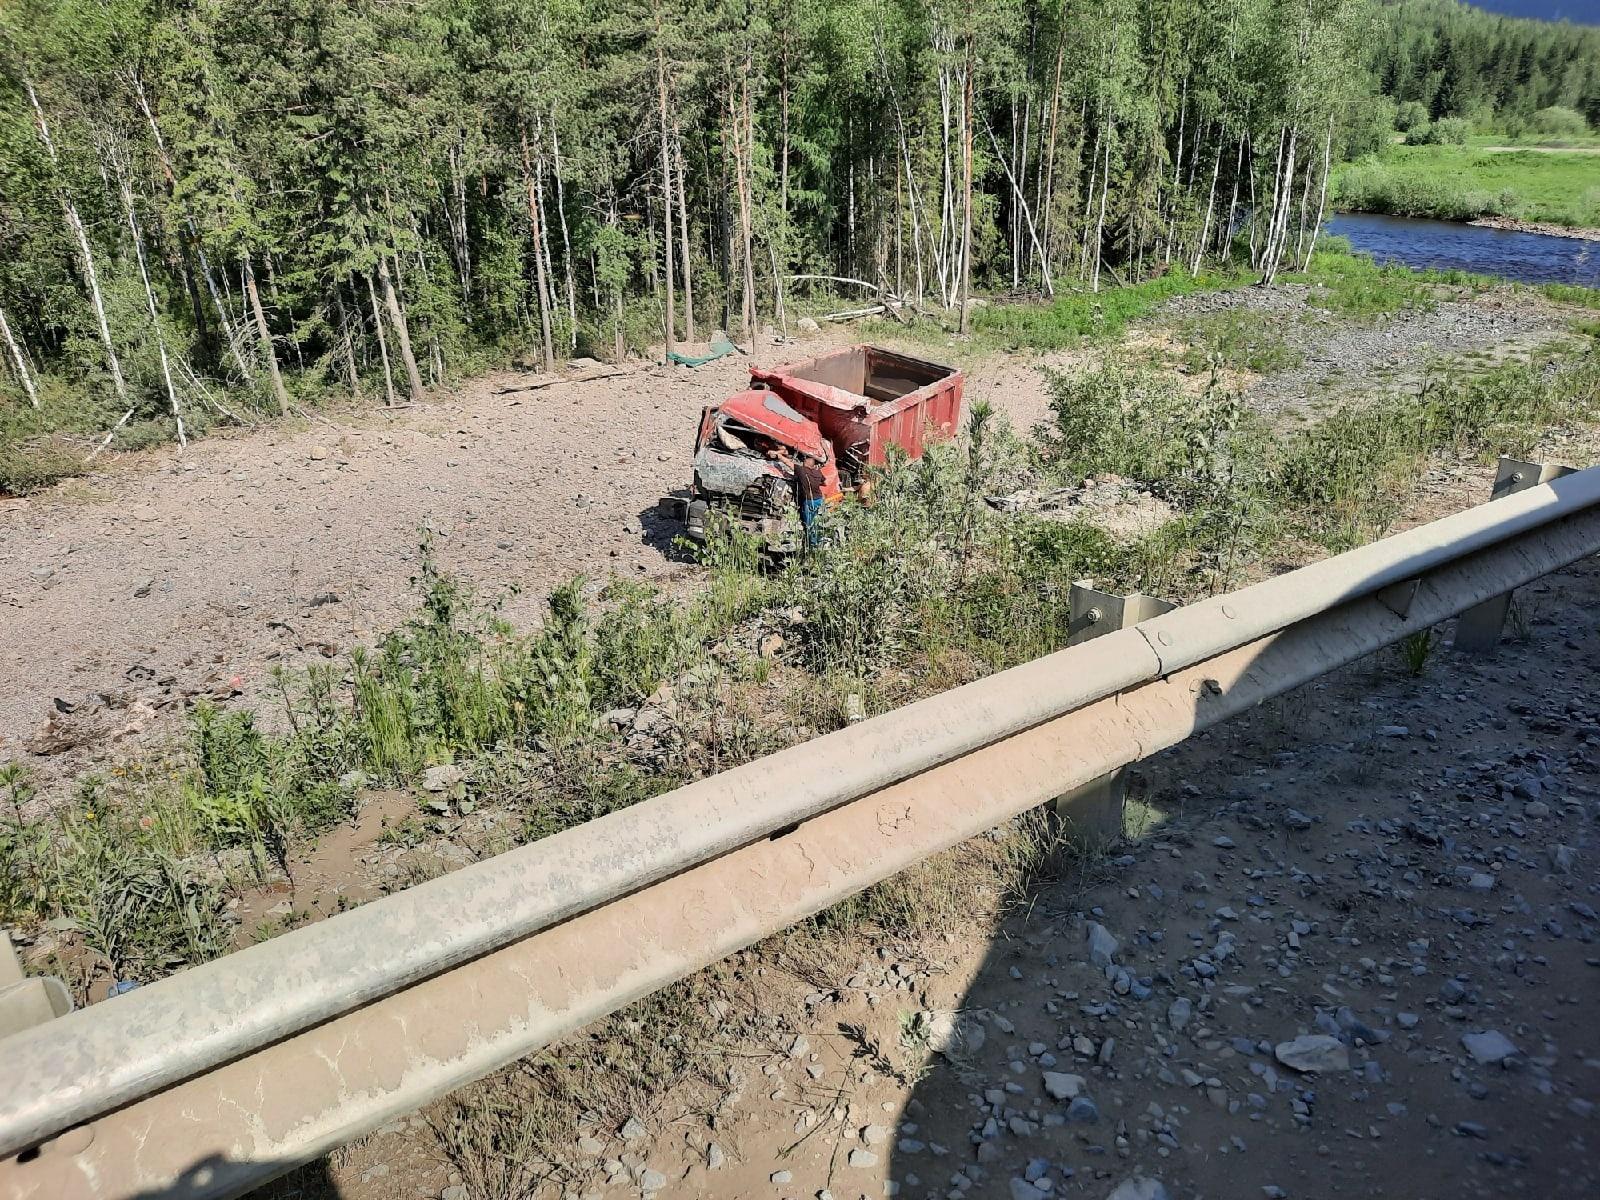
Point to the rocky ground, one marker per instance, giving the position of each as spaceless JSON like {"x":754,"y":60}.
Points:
{"x":1355,"y":953}
{"x":1352,"y":949}
{"x":1341,"y":357}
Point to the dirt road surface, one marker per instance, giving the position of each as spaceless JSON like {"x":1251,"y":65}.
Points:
{"x":127,"y":594}
{"x":124,"y":595}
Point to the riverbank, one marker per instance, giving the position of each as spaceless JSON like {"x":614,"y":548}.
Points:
{"x":1545,"y":227}
{"x":1454,"y":183}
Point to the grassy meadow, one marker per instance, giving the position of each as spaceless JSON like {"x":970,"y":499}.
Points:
{"x":1460,"y":183}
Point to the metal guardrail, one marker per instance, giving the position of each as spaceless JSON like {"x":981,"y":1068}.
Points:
{"x":217,"y":1079}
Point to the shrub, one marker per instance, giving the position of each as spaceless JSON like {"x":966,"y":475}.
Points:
{"x":1368,"y":126}
{"x":1409,"y":115}
{"x":1446,"y":131}
{"x":1557,"y":121}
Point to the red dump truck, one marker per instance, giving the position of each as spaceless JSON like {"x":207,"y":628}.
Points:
{"x":804,"y":434}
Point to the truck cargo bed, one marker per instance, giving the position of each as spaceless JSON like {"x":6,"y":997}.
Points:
{"x":866,"y":399}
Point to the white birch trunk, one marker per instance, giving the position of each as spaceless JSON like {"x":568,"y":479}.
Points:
{"x":80,"y":235}
{"x":1211,"y":202}
{"x":1278,"y":241}
{"x":911,"y":179}
{"x":536,"y":227}
{"x":1322,"y":196}
{"x":383,"y":343}
{"x":1100,"y":222}
{"x":252,"y":293}
{"x":1177,"y":173}
{"x":1088,"y":203}
{"x":24,"y":376}
{"x":1225,"y":227}
{"x":235,"y":350}
{"x":155,"y":317}
{"x":683,"y":230}
{"x":1027,"y":215}
{"x":402,"y":333}
{"x":666,"y":186}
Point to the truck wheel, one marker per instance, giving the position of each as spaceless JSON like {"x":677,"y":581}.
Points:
{"x":696,"y":520}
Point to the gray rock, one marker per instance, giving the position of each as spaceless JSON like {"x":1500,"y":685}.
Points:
{"x":1083,"y":1110}
{"x":1179,"y":1012}
{"x":807,"y":325}
{"x":862,"y":1158}
{"x":1103,"y":945}
{"x":781,"y":1176}
{"x":715,"y":1158}
{"x":1060,"y":1086}
{"x":1562,"y":858}
{"x":1021,"y":1189}
{"x":1313,"y":1052}
{"x":1138,"y":1188}
{"x":1394,"y":731}
{"x":950,"y":1033}
{"x":1295,"y":819}
{"x":633,"y":1129}
{"x":651,"y":1180}
{"x":442,"y":778}
{"x":649,"y":720}
{"x":875,"y":1135}
{"x":1488,"y":1047}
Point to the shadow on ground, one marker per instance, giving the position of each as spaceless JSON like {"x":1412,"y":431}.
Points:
{"x":1276,"y":987}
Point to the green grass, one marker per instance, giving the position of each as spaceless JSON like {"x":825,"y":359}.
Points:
{"x":1484,"y":141}
{"x":1236,"y":339}
{"x":1456,"y":183}
{"x":1570,"y":293}
{"x":1074,"y":317}
{"x":1352,"y":285}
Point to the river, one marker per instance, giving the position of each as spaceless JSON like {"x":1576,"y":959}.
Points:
{"x":1450,"y":245}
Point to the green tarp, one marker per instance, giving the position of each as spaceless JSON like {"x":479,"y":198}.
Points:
{"x":720,"y":347}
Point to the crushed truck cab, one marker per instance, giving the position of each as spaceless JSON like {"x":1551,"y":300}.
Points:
{"x":802,"y":435}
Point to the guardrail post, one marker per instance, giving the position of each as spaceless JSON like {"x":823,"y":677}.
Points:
{"x":1478,"y":629}
{"x":1092,"y":612}
{"x":1094,"y":812}
{"x":26,"y":1001}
